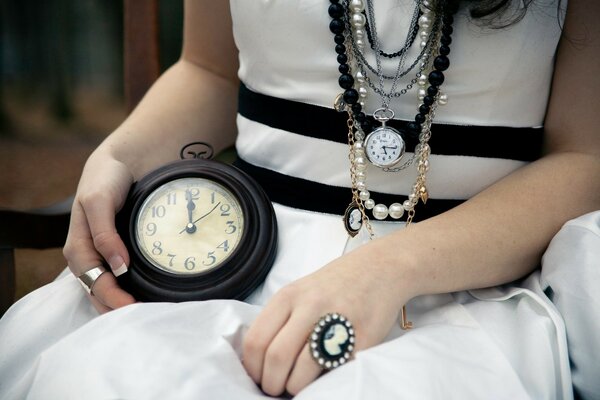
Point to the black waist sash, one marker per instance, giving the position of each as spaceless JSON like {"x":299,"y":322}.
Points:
{"x":523,"y":144}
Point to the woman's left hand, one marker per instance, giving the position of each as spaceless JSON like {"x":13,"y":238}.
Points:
{"x":276,"y":353}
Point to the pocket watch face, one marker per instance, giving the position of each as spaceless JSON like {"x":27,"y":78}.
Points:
{"x":384,"y":147}
{"x":189,"y":225}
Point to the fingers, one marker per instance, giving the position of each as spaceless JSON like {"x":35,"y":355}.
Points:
{"x":260,"y":335}
{"x":284,"y":353}
{"x":81,"y":255}
{"x":305,"y":371}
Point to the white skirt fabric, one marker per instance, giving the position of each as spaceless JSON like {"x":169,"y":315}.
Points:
{"x":508,"y":342}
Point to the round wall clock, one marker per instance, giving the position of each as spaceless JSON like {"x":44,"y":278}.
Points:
{"x":197,"y":229}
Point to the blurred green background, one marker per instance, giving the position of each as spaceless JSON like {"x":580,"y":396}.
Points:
{"x":61,"y":93}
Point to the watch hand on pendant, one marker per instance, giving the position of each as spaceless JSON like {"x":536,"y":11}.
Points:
{"x":205,"y":215}
{"x":191,"y":226}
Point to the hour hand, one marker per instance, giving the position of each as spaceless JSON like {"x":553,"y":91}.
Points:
{"x":191,"y":226}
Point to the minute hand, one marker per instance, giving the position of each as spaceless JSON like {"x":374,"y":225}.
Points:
{"x":213,"y":209}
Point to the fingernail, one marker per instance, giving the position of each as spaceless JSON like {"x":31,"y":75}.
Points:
{"x":118,"y":265}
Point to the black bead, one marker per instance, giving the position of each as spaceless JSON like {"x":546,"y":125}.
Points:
{"x":428,"y":100}
{"x":366,"y":126}
{"x":344,"y":68}
{"x":336,"y":10}
{"x":342,"y":58}
{"x":436,"y":78}
{"x":361,"y":116}
{"x":350,"y":96}
{"x":419,"y":118}
{"x":334,"y":1}
{"x":340,"y":49}
{"x":432,"y":91}
{"x":356,"y":108}
{"x":447,"y":30}
{"x":339,"y":39}
{"x":448,"y":19}
{"x":441,"y":63}
{"x":424,"y":109}
{"x":445,"y":40}
{"x":346,"y":81}
{"x":336,"y":26}
{"x":444,"y":50}
{"x":413,"y":129}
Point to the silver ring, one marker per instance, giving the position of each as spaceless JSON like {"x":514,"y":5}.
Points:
{"x":331,"y":342}
{"x":89,"y":278}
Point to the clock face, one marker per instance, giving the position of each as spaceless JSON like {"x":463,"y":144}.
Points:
{"x":384,"y":147}
{"x":189,"y":225}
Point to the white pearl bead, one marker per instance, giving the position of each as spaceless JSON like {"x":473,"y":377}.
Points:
{"x":423,"y":44}
{"x":361,"y":176}
{"x":359,"y":33}
{"x":364,"y":195}
{"x":362,"y":91}
{"x":443,"y":99}
{"x":422,"y":81}
{"x":422,"y":93}
{"x":369,"y":204}
{"x":407,"y":205}
{"x":360,"y":163}
{"x":360,"y":77}
{"x":424,"y":34}
{"x":380,"y":211}
{"x":358,"y":20}
{"x":426,"y":4}
{"x":424,"y":21}
{"x":413,"y":198}
{"x":361,"y":186}
{"x":396,"y":210}
{"x":358,"y":146}
{"x":360,"y":43}
{"x":357,"y":5}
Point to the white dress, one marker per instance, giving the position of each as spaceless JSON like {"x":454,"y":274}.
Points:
{"x":533,"y":339}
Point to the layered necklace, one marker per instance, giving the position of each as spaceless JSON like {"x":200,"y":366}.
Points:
{"x":384,"y":146}
{"x":353,"y":25}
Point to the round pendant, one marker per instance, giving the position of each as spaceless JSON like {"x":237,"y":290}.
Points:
{"x":196,"y":230}
{"x":352,"y":219}
{"x":384,"y":147}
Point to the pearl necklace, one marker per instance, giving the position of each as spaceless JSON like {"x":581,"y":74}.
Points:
{"x":360,"y":138}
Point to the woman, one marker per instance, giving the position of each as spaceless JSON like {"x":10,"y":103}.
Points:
{"x":507,"y":341}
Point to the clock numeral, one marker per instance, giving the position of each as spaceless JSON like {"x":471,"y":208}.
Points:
{"x":225,"y":210}
{"x":190,"y":263}
{"x":172,"y":257}
{"x":195,"y":193}
{"x":212,"y":198}
{"x":158,"y":211}
{"x":224,"y":246}
{"x":172,"y":198}
{"x":150,"y":229}
{"x":231,"y":228}
{"x":157,"y":250}
{"x":211,"y":257}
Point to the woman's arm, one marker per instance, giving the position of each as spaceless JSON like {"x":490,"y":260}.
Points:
{"x":196,"y":99}
{"x":493,"y":238}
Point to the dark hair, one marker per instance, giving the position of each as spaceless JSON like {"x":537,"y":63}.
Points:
{"x":500,"y":13}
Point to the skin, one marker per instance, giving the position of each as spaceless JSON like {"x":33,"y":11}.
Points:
{"x":493,"y":238}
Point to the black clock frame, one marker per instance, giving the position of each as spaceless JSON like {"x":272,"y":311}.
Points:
{"x":238,"y":275}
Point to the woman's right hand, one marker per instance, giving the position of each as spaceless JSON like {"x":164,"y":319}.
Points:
{"x":93,"y":239}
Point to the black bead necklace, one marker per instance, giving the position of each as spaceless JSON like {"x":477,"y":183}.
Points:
{"x":338,"y":26}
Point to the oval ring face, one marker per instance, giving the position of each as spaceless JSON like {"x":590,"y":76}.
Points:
{"x":189,"y":226}
{"x":384,"y":147}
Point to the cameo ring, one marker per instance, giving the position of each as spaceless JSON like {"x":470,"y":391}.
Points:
{"x":89,"y":278}
{"x":331,"y":342}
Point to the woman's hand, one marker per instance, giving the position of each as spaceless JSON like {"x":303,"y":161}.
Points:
{"x":275,"y":349}
{"x":93,"y":239}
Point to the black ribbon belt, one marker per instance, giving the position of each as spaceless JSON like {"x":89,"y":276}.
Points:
{"x":523,"y":144}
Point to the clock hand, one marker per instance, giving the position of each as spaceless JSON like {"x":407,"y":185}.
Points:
{"x":191,"y":226}
{"x":205,"y":215}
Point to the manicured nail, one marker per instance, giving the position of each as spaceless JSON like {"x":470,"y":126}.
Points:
{"x":118,"y":265}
